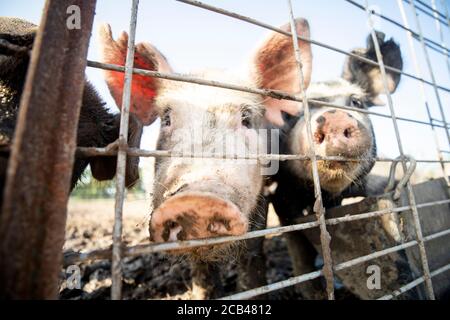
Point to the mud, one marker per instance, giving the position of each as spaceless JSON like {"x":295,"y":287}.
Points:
{"x":153,"y":276}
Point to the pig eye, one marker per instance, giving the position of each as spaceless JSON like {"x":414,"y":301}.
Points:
{"x":165,"y":119}
{"x":356,"y":102}
{"x":245,"y":118}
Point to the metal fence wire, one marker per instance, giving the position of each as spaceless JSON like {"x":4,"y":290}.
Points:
{"x":121,"y":148}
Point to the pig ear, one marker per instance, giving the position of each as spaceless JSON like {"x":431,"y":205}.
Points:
{"x":104,"y":168}
{"x":144,"y":89}
{"x":276,"y":69}
{"x":368,"y":76}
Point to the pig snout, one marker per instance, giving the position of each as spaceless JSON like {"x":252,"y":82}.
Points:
{"x":195,"y":215}
{"x":338,"y":133}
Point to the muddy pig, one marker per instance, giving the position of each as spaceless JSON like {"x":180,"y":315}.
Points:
{"x":336,"y":132}
{"x":202,"y":197}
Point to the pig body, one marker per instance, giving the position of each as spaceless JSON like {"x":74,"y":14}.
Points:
{"x":336,"y":132}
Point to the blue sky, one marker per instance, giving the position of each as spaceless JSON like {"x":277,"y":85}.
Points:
{"x":192,"y":38}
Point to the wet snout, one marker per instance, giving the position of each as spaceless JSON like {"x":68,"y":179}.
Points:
{"x":338,"y":133}
{"x":196,"y":215}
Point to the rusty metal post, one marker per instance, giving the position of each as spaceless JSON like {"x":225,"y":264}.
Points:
{"x":32,"y":222}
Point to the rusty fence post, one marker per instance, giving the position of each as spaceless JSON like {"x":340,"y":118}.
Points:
{"x":32,"y":222}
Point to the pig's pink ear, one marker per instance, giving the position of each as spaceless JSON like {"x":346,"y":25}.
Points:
{"x":144,"y":89}
{"x":276,"y":69}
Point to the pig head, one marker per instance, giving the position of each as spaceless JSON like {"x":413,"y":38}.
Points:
{"x":339,"y":132}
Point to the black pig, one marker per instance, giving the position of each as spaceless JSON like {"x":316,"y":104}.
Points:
{"x":97,"y":126}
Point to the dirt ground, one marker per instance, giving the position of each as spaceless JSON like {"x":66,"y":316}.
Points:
{"x":153,"y":276}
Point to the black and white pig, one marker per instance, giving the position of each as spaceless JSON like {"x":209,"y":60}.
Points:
{"x":336,"y":132}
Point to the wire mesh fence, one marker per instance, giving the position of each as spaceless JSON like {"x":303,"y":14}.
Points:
{"x":118,"y":253}
{"x":122,"y":150}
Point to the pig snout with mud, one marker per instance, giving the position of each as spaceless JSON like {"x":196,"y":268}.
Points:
{"x":203,"y":197}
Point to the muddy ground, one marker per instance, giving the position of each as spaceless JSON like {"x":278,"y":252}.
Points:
{"x":153,"y":276}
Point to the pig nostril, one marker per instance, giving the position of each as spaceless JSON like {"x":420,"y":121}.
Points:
{"x":172,"y":231}
{"x":218,"y":226}
{"x":347,"y":133}
{"x":319,"y":137}
{"x":172,"y":224}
